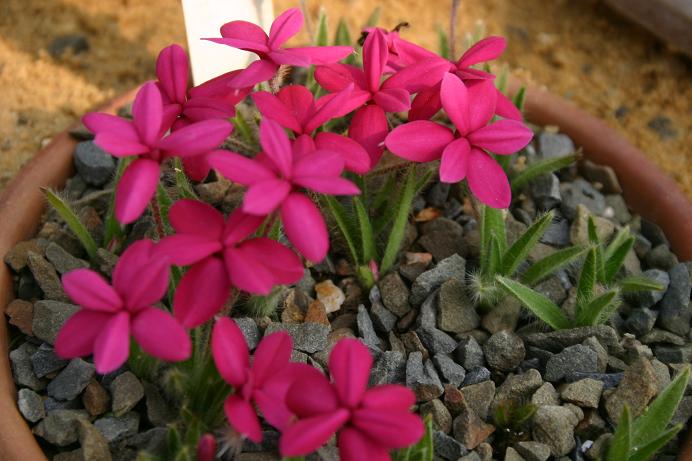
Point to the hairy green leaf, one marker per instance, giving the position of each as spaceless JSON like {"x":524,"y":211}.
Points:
{"x":521,"y":248}
{"x":540,"y":167}
{"x":540,"y":305}
{"x":442,"y":42}
{"x":421,"y":451}
{"x":519,"y":98}
{"x":638,"y":283}
{"x":494,"y":257}
{"x":551,"y":263}
{"x":345,"y":224}
{"x":183,"y":185}
{"x":342,"y":36}
{"x":596,"y":311}
{"x":396,"y":235}
{"x":622,"y":235}
{"x":72,"y":221}
{"x":367,"y":237}
{"x":619,"y":449}
{"x":646,"y":452}
{"x":112,"y":229}
{"x":322,"y":36}
{"x":374,"y":17}
{"x":492,"y":221}
{"x":587,"y":279}
{"x":613,"y":263}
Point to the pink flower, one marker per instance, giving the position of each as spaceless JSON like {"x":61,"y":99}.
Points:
{"x":145,"y":137}
{"x":275,"y":180}
{"x":250,"y":37}
{"x":110,"y":313}
{"x":293,"y":107}
{"x":221,"y":255}
{"x":370,"y":422}
{"x":369,"y":124}
{"x":463,"y":153}
{"x":206,"y":448}
{"x":263,"y":382}
{"x":402,"y":53}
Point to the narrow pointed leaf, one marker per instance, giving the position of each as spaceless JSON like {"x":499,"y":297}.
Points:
{"x":613,"y":263}
{"x":597,"y":309}
{"x":182,"y":183}
{"x":374,"y":17}
{"x":519,"y":98}
{"x":396,"y":235}
{"x":72,"y":221}
{"x":541,"y":167}
{"x":587,"y":279}
{"x":442,"y":43}
{"x":646,"y":452}
{"x":521,"y":248}
{"x":621,"y":444}
{"x":492,"y":222}
{"x":550,"y":264}
{"x":345,"y":224}
{"x":322,"y":37}
{"x":367,"y":237}
{"x":622,"y":235}
{"x":638,"y":283}
{"x":540,"y":305}
{"x":342,"y":36}
{"x":112,"y":230}
{"x":494,"y":257}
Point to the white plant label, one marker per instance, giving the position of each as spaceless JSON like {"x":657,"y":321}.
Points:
{"x":204,"y":18}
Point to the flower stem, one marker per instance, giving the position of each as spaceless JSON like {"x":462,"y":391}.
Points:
{"x":156,"y":212}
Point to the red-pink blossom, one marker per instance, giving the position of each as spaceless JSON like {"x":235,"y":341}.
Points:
{"x":463,"y":153}
{"x":275,"y":180}
{"x":145,"y":138}
{"x":109,"y":314}
{"x":206,"y":448}
{"x":250,"y":37}
{"x":369,"y":422}
{"x":221,"y":254}
{"x":264,"y":381}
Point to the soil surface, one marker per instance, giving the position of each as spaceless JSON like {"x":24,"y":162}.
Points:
{"x":580,"y":50}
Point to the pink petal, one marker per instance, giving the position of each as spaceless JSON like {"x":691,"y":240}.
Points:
{"x":90,"y":290}
{"x":419,"y":75}
{"x":369,"y":127}
{"x":487,"y":180}
{"x":242,"y":417}
{"x":455,"y":100}
{"x":356,"y":446}
{"x":393,"y":100}
{"x":330,"y":108}
{"x":426,"y":104}
{"x":186,"y":249}
{"x":389,"y":397}
{"x":484,"y":50}
{"x":289,"y":57}
{"x":336,"y":77}
{"x":319,"y":163}
{"x":135,"y":259}
{"x":118,"y":145}
{"x":284,"y":265}
{"x":303,"y":145}
{"x":201,"y":292}
{"x":276,"y":145}
{"x":502,"y":137}
{"x":147,"y":113}
{"x":349,"y":364}
{"x":264,"y":197}
{"x":172,"y":69}
{"x":258,"y":71}
{"x":230,"y":351}
{"x":271,"y":106}
{"x":355,"y":157}
{"x":247,"y":272}
{"x":169,"y":117}
{"x":391,"y":429}
{"x":321,"y":55}
{"x":420,"y":141}
{"x":219,"y":87}
{"x":334,"y":185}
{"x":200,"y":108}
{"x":188,"y":216}
{"x":322,"y":397}
{"x":410,"y":53}
{"x":244,"y":35}
{"x":375,"y":53}
{"x":307,"y":435}
{"x":141,"y":275}
{"x":285,"y":26}
{"x":455,"y":161}
{"x":98,"y":122}
{"x":136,"y":189}
{"x":272,"y":354}
{"x":239,"y":168}
{"x":481,"y":101}
{"x":305,"y":227}
{"x":239,"y":226}
{"x":197,"y":167}
{"x":504,"y":107}
{"x":77,"y":336}
{"x":299,"y":101}
{"x":161,"y":336}
{"x":271,"y":398}
{"x":112,"y":346}
{"x":197,"y":138}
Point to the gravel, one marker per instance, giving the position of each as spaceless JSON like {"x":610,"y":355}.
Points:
{"x":577,"y":358}
{"x":49,"y":317}
{"x":504,"y":351}
{"x":453,"y":267}
{"x":307,"y":337}
{"x":72,"y":380}
{"x":127,"y":391}
{"x":422,"y":378}
{"x":94,"y":165}
{"x":30,"y":405}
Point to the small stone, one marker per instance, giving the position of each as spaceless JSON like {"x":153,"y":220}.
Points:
{"x":366,"y":329}
{"x":441,"y":418}
{"x":545,"y":395}
{"x":105,"y":261}
{"x":517,"y":388}
{"x":46,"y":277}
{"x":443,"y":238}
{"x":674,"y":354}
{"x":553,"y":426}
{"x":331,"y":296}
{"x":437,"y":195}
{"x":116,"y":428}
{"x":621,"y":212}
{"x":674,"y":312}
{"x":62,"y":260}
{"x":457,"y":313}
{"x":127,"y":391}
{"x":551,"y":145}
{"x":545,"y":190}
{"x":533,"y":451}
{"x":642,"y":246}
{"x":601,"y":174}
{"x":22,"y":371}
{"x":60,"y":427}
{"x":395,"y":344}
{"x":599,"y":448}
{"x":72,"y":380}
{"x":395,"y":294}
{"x":44,"y":361}
{"x":556,"y":341}
{"x":447,"y":447}
{"x":21,"y":314}
{"x":159,"y":412}
{"x":94,"y":165}
{"x":650,"y":298}
{"x":580,"y":193}
{"x":453,"y":267}
{"x":504,"y":351}
{"x":95,"y":398}
{"x":450,"y":372}
{"x":422,"y":378}
{"x":412,"y":343}
{"x":557,"y":233}
{"x":49,"y":317}
{"x":661,"y":257}
{"x":601,"y":353}
{"x":469,"y":353}
{"x":609,"y":380}
{"x":250,"y":331}
{"x":662,"y":374}
{"x":383,"y":320}
{"x":389,"y":368}
{"x":307,"y":337}
{"x":637,"y":388}
{"x":470,"y":429}
{"x":317,"y":313}
{"x":584,"y":393}
{"x":503,"y":316}
{"x":436,"y":341}
{"x":31,"y":405}
{"x":73,"y":43}
{"x":577,"y":358}
{"x":454,"y":400}
{"x":657,"y":336}
{"x":295,"y":306}
{"x":479,"y":397}
{"x":653,"y":233}
{"x":512,"y":455}
{"x":641,"y":321}
{"x":579,"y":232}
{"x":591,"y":426}
{"x":473,"y":456}
{"x":476,"y":375}
{"x":94,"y":445}
{"x":17,"y":257}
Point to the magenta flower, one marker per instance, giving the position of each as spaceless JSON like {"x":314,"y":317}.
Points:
{"x":263,"y":382}
{"x":369,"y":124}
{"x":293,"y":107}
{"x":370,"y":422}
{"x":221,"y":255}
{"x":402,"y":53}
{"x":275,"y":180}
{"x":463,"y":153}
{"x":250,"y":37}
{"x":110,"y":314}
{"x":145,"y":137}
{"x":206,"y":448}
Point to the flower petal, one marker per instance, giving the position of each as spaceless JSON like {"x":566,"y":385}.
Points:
{"x":148,"y":282}
{"x":349,"y":365}
{"x":419,"y":75}
{"x":322,"y":397}
{"x":299,"y":101}
{"x":230,"y":352}
{"x":307,"y":435}
{"x":502,"y":137}
{"x":420,"y":141}
{"x":243,"y":418}
{"x":247,"y":271}
{"x":136,"y":189}
{"x":271,"y":106}
{"x":393,"y":99}
{"x":119,"y":146}
{"x":172,"y":69}
{"x":335,"y":105}
{"x":258,"y":71}
{"x":319,"y":163}
{"x":484,"y":50}
{"x":188,"y":216}
{"x":285,"y":26}
{"x":135,"y":259}
{"x":197,"y":138}
{"x":391,"y":429}
{"x":369,"y":127}
{"x":186,"y":249}
{"x":426,"y":104}
{"x":196,"y":167}
{"x":302,"y":145}
{"x":161,"y":336}
{"x":201,"y":292}
{"x":77,"y":336}
{"x":239,"y":226}
{"x":245,"y":35}
{"x":264,"y":197}
{"x":147,"y":113}
{"x":336,"y":77}
{"x":90,"y":290}
{"x":455,"y":100}
{"x":389,"y":397}
{"x":504,"y":107}
{"x":276,"y":145}
{"x":356,"y":446}
{"x":305,"y":227}
{"x":356,"y":158}
{"x":238,"y":168}
{"x":455,"y":161}
{"x":487,"y":180}
{"x":272,"y":354}
{"x":321,"y":55}
{"x":333,"y":185}
{"x":482,"y":96}
{"x":112,"y":346}
{"x":375,"y":53}
{"x":284,"y":265}
{"x":98,"y":122}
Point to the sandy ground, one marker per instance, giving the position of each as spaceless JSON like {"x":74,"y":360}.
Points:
{"x":577,"y":49}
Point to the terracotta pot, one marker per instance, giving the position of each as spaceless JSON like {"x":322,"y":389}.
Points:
{"x":649,"y":191}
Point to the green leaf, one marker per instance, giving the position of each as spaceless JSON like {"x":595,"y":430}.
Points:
{"x":659,"y":413}
{"x":494,"y":257}
{"x":540,"y":167}
{"x":396,"y":235}
{"x":622,"y":235}
{"x":592,"y":232}
{"x":367,"y":237}
{"x":421,"y":451}
{"x":345,"y":225}
{"x":72,"y":221}
{"x":613,"y":264}
{"x":540,"y":305}
{"x":164,"y":202}
{"x":587,"y":279}
{"x":521,"y":248}
{"x":492,"y":221}
{"x":636,"y":283}
{"x":519,"y":98}
{"x":241,"y":127}
{"x":598,"y":309}
{"x":551,"y":263}
{"x":183,"y":185}
{"x":374,"y":17}
{"x":501,"y":80}
{"x":619,"y":449}
{"x":342,"y":36}
{"x":442,"y":42}
{"x":646,"y":452}
{"x":322,"y":37}
{"x":112,"y":228}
